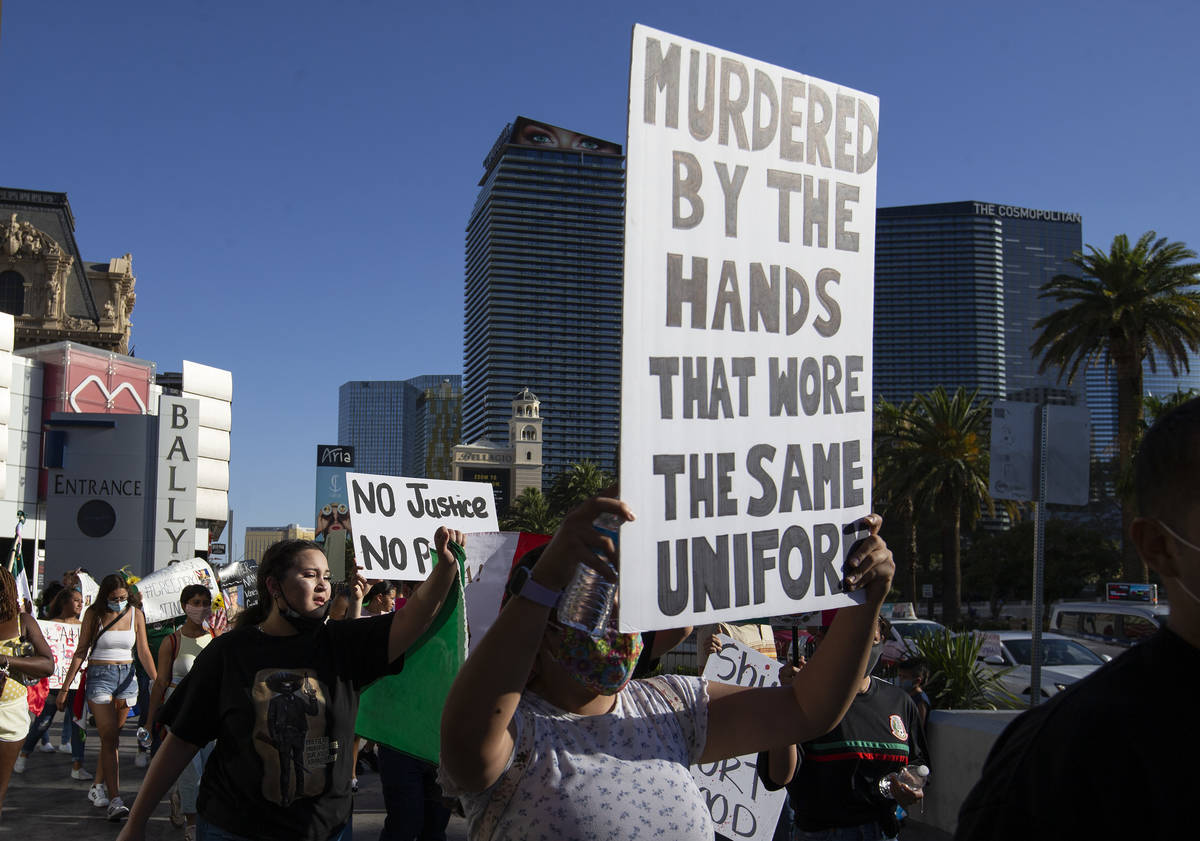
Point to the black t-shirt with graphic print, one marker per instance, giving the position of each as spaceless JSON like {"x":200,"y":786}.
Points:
{"x":837,"y":781}
{"x":282,"y":711}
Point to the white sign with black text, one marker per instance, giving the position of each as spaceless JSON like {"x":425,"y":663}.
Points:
{"x":175,"y":506}
{"x":395,"y":519}
{"x":739,"y":805}
{"x":748,"y":307}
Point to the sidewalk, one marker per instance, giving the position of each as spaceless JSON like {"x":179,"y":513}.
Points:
{"x":45,"y":804}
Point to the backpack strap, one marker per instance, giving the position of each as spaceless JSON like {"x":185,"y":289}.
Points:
{"x":506,"y":786}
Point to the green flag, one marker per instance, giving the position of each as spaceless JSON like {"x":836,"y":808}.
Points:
{"x":404,"y":711}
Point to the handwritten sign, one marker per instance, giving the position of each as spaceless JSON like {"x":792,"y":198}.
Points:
{"x":63,"y":639}
{"x":739,"y":805}
{"x":746,"y":361}
{"x":395,"y":518}
{"x":160,"y":590}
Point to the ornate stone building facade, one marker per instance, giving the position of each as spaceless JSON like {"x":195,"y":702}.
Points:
{"x":52,"y":294}
{"x":511,"y":468}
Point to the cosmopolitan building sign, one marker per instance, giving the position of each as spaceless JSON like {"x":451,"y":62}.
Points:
{"x":1012,"y":212}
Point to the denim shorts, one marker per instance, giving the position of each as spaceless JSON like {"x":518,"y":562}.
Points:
{"x":109,"y":682}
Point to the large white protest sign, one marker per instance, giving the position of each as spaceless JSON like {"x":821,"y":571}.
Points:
{"x":739,"y":805}
{"x":746,"y":364}
{"x":160,"y":590}
{"x":62,"y":639}
{"x":395,"y":518}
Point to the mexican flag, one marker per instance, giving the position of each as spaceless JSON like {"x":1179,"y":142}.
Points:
{"x":16,"y":565}
{"x":404,"y":711}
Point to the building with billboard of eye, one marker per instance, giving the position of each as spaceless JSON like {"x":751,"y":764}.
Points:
{"x":509,"y":468}
{"x":543,"y":290}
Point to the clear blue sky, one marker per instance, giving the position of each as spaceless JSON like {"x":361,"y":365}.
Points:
{"x":293,"y":178}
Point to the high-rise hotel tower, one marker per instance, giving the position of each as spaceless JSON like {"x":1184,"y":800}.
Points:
{"x":957,"y":294}
{"x":543,"y":291}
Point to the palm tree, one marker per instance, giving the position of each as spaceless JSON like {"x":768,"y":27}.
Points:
{"x":1126,"y":307}
{"x":948,"y":473}
{"x":893,"y":484}
{"x":582,"y":480}
{"x":530,"y":512}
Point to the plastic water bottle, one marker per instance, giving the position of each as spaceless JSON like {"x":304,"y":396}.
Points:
{"x":587,"y":603}
{"x":144,"y":738}
{"x":912,"y":777}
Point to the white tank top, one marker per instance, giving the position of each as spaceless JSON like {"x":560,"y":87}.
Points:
{"x":116,"y":645}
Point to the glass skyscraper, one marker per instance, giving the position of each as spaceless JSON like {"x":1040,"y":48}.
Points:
{"x":383,"y":420}
{"x":544,"y":262}
{"x":957,"y":290}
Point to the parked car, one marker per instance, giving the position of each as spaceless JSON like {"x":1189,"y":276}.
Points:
{"x":902,"y":641}
{"x":1064,"y":661}
{"x":1108,"y":627}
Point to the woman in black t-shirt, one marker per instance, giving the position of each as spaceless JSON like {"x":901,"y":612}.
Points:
{"x":279,"y":694}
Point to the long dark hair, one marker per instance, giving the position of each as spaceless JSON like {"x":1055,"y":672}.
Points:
{"x":10,"y":601}
{"x":99,"y":605}
{"x":277,"y":560}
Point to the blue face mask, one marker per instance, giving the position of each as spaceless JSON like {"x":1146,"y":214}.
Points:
{"x":117,"y":607}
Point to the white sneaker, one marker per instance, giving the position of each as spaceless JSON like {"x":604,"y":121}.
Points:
{"x":142,"y":759}
{"x":64,"y":747}
{"x":98,"y":794}
{"x":46,"y":747}
{"x":189,"y":833}
{"x":80,"y":774}
{"x":117,"y":810}
{"x":19,"y":765}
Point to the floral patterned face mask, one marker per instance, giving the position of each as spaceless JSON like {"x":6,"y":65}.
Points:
{"x":603,"y":664}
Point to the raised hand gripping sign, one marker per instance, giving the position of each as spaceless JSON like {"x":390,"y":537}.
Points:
{"x":395,"y":517}
{"x":746,"y":364}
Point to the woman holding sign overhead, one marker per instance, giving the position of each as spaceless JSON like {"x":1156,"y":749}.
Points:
{"x":279,"y":695}
{"x":544,"y":735}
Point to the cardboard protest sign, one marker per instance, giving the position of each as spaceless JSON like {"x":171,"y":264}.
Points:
{"x":746,"y":363}
{"x":395,"y":519}
{"x":160,"y":590}
{"x":62,"y":638}
{"x":739,"y":805}
{"x":89,"y":588}
{"x":404,"y":711}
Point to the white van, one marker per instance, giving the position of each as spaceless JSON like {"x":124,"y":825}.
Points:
{"x":1108,"y":627}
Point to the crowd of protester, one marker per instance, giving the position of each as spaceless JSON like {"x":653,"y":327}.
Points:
{"x":547,"y":730}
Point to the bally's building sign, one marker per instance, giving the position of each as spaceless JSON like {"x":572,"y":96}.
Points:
{"x":122,"y":488}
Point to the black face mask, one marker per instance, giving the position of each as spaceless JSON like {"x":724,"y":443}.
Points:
{"x":299,"y":621}
{"x":873,"y":658}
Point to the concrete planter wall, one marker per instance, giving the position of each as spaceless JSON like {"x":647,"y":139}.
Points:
{"x":959,"y":742}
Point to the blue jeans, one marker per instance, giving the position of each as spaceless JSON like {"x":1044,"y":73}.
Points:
{"x":42,"y":723}
{"x":412,"y":797}
{"x":206,"y":831}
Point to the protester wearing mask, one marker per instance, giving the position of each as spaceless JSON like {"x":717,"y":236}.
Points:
{"x":1124,"y":726}
{"x":544,"y":734}
{"x":175,"y":658}
{"x":112,"y":629}
{"x":835,"y":791}
{"x":279,"y":695}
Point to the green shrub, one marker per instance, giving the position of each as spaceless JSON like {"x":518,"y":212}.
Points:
{"x":958,"y":680}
